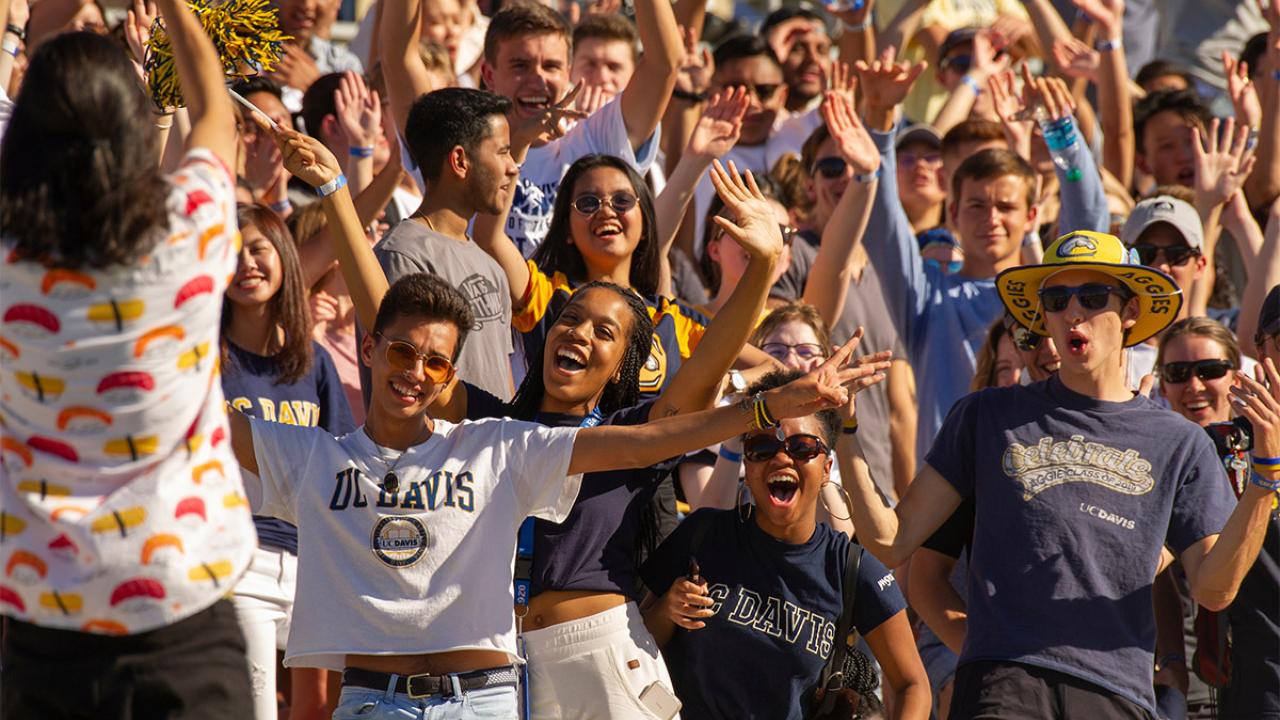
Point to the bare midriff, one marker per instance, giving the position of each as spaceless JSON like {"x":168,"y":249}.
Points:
{"x":454,"y":661}
{"x":553,"y":607}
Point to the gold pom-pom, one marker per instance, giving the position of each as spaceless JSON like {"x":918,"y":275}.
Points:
{"x":246,"y":34}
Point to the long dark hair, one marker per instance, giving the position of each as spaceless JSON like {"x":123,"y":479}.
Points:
{"x":79,"y":182}
{"x":287,"y":309}
{"x":556,"y":253}
{"x":623,"y":393}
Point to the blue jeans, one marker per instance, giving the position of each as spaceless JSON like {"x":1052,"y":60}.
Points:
{"x":357,"y":703}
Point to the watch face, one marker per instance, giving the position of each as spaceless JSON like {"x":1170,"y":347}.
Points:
{"x":738,"y":382}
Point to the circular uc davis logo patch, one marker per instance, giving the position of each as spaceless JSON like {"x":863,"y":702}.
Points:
{"x":399,"y":541}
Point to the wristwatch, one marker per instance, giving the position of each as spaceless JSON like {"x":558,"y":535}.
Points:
{"x":738,"y":382}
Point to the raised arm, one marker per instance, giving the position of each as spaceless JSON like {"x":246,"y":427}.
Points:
{"x":857,"y":39}
{"x":1217,"y":564}
{"x":755,"y":229}
{"x":645,"y":98}
{"x":1221,"y":169}
{"x":1084,"y":200}
{"x":400,"y":25}
{"x":1264,"y":185}
{"x":1114,"y":103}
{"x":359,"y":115}
{"x":610,"y":447}
{"x":1263,"y":275}
{"x":213,"y":122}
{"x":964,"y":98}
{"x":309,"y":160}
{"x":828,"y":282}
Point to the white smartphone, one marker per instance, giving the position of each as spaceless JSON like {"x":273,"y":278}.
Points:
{"x":660,"y":701}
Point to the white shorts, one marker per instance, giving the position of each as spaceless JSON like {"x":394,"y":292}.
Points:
{"x":594,"y":668}
{"x":264,"y":606}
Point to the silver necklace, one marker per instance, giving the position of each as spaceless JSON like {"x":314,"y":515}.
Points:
{"x":390,"y":481}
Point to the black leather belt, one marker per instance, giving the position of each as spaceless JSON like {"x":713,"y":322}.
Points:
{"x":420,"y":686}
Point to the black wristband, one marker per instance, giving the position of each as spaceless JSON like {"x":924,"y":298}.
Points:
{"x":694,"y":97}
{"x":16,"y":30}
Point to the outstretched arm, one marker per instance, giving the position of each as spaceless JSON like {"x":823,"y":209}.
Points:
{"x":755,"y":229}
{"x":213,"y":122}
{"x":611,"y":447}
{"x":828,"y":283}
{"x":645,"y":98}
{"x":402,"y":67}
{"x":1264,"y":272}
{"x":1114,"y":104}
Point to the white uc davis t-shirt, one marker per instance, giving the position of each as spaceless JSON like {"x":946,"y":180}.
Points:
{"x":428,"y":569}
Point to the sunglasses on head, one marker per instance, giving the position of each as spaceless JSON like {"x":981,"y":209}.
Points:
{"x":1175,"y":255}
{"x":589,"y":204}
{"x":404,"y":357}
{"x":801,"y":448}
{"x":1092,"y":296}
{"x":830,"y":168}
{"x":1023,"y":339}
{"x":1177,"y":373}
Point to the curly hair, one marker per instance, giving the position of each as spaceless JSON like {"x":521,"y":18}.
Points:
{"x":557,"y":253}
{"x":287,"y":309}
{"x":623,"y":393}
{"x":79,"y":182}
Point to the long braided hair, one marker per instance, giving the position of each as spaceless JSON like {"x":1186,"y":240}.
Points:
{"x":623,"y":393}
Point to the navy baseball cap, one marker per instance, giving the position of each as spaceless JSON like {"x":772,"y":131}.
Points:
{"x":1269,"y":317}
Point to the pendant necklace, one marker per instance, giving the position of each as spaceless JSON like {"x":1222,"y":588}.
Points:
{"x":390,"y":481}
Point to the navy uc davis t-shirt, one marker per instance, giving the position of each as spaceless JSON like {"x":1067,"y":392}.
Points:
{"x":777,"y":605}
{"x":314,"y":400}
{"x":595,"y":548}
{"x":1073,"y":499}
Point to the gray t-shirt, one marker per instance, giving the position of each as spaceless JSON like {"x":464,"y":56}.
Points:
{"x":484,"y":362}
{"x":863,"y":305}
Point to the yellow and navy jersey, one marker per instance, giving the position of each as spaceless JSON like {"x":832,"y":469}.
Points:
{"x":677,"y":328}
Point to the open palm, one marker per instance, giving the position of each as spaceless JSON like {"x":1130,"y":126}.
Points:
{"x":885,"y":82}
{"x":720,"y":126}
{"x":851,"y":138}
{"x":753,"y":225}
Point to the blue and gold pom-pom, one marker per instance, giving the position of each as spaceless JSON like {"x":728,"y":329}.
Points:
{"x":246,"y":34}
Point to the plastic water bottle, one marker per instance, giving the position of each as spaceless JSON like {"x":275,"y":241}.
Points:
{"x":844,"y":5}
{"x":1059,"y":135}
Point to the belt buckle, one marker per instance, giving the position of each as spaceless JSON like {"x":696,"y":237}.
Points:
{"x":409,"y":683}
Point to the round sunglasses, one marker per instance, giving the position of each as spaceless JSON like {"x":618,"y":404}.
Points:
{"x":801,"y":447}
{"x":404,"y":357}
{"x":1176,"y":373}
{"x":589,"y":204}
{"x":1092,"y":296}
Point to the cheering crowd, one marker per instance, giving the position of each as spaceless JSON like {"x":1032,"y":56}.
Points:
{"x":885,"y":359}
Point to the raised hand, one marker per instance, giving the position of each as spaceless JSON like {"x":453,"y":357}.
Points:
{"x":137,"y":26}
{"x":304,"y":156}
{"x":1270,"y":10}
{"x":296,"y":69}
{"x":1258,"y":398}
{"x":885,"y":84}
{"x":1017,"y":122}
{"x":827,"y":386}
{"x":754,"y":225}
{"x":720,"y":126}
{"x":851,"y":138}
{"x":987,"y":60}
{"x":1243,"y":94}
{"x":1049,"y":93}
{"x":841,"y":79}
{"x":696,"y":70}
{"x":591,"y":99}
{"x":1108,"y":14}
{"x":1076,"y":59}
{"x":1221,"y":165}
{"x":358,"y":111}
{"x":548,"y":124}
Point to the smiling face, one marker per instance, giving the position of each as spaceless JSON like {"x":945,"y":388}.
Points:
{"x":827,"y":191}
{"x":443,"y":23}
{"x":1167,"y":151}
{"x":785,"y":490}
{"x":492,"y":168}
{"x":298,"y":18}
{"x":530,"y":70}
{"x":766,"y":94}
{"x":585,"y":348}
{"x":1089,"y":340}
{"x":603,"y":62}
{"x":259,"y":273}
{"x":806,"y":61}
{"x":400,"y":395}
{"x":1041,"y":362}
{"x":606,"y":237}
{"x":1200,"y":401}
{"x":991,"y":217}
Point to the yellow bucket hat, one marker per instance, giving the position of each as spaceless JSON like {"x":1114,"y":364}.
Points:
{"x":1159,"y":297}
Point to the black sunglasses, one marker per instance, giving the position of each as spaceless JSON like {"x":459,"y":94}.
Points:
{"x":1179,"y":372}
{"x":1175,"y":255}
{"x":1092,"y":296}
{"x":801,"y":448}
{"x":959,"y":63}
{"x":589,"y":204}
{"x":830,"y":168}
{"x":1023,"y":339}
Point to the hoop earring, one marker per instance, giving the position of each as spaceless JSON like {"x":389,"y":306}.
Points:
{"x":740,"y":505}
{"x":827,"y":507}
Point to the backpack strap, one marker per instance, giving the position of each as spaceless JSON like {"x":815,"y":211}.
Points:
{"x":832,"y":677}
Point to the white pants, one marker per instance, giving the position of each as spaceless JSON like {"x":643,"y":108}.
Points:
{"x":264,"y":606}
{"x":594,"y":668}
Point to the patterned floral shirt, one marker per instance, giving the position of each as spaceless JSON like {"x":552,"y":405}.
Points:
{"x":121,"y":504}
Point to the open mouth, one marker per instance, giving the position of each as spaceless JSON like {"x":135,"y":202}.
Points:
{"x":1052,"y":366}
{"x":250,"y":282}
{"x":1077,"y":343}
{"x":532,"y":104}
{"x":405,"y":393}
{"x":608,"y":230}
{"x":571,"y":360}
{"x":1197,"y":406}
{"x":782,"y":489}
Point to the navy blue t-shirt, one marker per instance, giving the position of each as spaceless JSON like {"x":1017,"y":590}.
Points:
{"x":777,"y":605}
{"x":316,"y":399}
{"x":1254,"y":617}
{"x":594,"y":549}
{"x":1073,"y":499}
